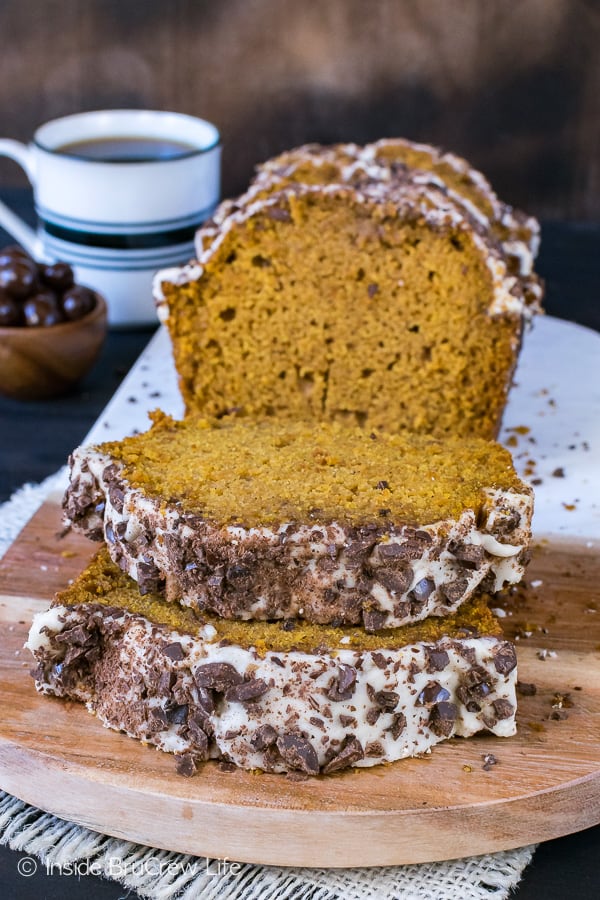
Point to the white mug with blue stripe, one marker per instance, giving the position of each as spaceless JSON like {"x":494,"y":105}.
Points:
{"x":118,"y":194}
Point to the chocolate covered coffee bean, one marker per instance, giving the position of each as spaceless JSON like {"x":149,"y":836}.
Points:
{"x":39,"y":295}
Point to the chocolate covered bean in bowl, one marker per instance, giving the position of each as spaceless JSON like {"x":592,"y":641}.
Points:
{"x":51,"y":329}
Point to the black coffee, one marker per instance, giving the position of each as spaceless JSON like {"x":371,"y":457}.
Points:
{"x":126,"y":149}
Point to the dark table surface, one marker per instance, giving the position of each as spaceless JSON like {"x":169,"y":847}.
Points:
{"x":36,"y":438}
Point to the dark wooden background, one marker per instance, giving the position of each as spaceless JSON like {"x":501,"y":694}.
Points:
{"x":514,"y":85}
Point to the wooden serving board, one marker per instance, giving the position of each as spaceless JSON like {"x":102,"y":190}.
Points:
{"x":546,"y":781}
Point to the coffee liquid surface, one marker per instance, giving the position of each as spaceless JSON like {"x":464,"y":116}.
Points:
{"x":126,"y":149}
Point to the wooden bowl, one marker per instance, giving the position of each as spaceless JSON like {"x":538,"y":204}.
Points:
{"x":37,"y":363}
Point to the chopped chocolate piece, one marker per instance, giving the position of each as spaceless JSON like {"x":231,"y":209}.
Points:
{"x":452,"y":591}
{"x":413,"y":670}
{"x":157,"y":718}
{"x":264,"y":736}
{"x":503,"y":708}
{"x":396,"y":580}
{"x":412,"y":549}
{"x":348,"y":721}
{"x":350,"y":753}
{"x":382,"y":485}
{"x":379,"y":659}
{"x":559,"y":715}
{"x":442,"y":718}
{"x":358,"y":549}
{"x":205,"y":701}
{"x":487,"y":585}
{"x":398,"y":725}
{"x":174,"y":651}
{"x":217,"y":676}
{"x":121,"y":529}
{"x":474,"y":685}
{"x":390,"y":551}
{"x":387,"y":700}
{"x":526,"y":689}
{"x":437,"y":659}
{"x":116,"y":497}
{"x":72,"y":654}
{"x":373,"y":714}
{"x":247,"y":691}
{"x":199,"y":736}
{"x":433,"y":692}
{"x":179,"y":689}
{"x":505,"y":658}
{"x":177,"y":715}
{"x":298,"y":753}
{"x":507,"y":520}
{"x":489,"y":760}
{"x":402,"y":608}
{"x":185,"y":764}
{"x":342,"y":688}
{"x":373,"y":619}
{"x":110,"y":473}
{"x":374,"y":748}
{"x":148,"y":577}
{"x":38,"y":672}
{"x":77,"y":635}
{"x":480,"y":690}
{"x":471,"y":556}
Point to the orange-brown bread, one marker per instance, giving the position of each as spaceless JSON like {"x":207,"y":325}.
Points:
{"x":282,"y":519}
{"x":383,"y":305}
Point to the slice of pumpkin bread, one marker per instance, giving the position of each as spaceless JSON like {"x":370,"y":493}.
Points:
{"x":313,"y":699}
{"x":393,"y":160}
{"x":320,"y":521}
{"x":385,"y":305}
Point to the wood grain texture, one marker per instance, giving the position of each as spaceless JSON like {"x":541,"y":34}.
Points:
{"x":37,"y":363}
{"x":546,"y":781}
{"x":515,"y":87}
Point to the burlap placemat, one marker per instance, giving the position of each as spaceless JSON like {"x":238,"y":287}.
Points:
{"x":65,"y":848}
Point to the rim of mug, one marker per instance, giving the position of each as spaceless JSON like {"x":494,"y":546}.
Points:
{"x":38,"y":141}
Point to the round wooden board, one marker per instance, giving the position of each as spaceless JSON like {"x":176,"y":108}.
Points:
{"x":545,"y":783}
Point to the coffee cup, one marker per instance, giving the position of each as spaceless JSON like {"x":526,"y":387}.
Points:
{"x":118,"y":194}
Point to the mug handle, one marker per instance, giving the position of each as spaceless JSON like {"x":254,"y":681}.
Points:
{"x":12,"y":223}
